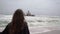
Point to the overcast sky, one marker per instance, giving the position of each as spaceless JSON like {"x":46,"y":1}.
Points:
{"x":37,"y":7}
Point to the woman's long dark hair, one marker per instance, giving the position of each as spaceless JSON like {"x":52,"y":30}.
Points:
{"x":17,"y":22}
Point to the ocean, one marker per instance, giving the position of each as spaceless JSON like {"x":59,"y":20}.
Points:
{"x":36,"y":24}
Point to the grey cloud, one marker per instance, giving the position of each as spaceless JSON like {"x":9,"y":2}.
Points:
{"x":38,"y":7}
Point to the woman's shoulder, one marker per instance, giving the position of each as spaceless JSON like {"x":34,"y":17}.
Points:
{"x":8,"y":26}
{"x":5,"y":31}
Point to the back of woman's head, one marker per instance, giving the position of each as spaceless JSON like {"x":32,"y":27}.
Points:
{"x":18,"y":16}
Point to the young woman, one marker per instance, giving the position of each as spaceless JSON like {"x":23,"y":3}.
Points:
{"x":18,"y":24}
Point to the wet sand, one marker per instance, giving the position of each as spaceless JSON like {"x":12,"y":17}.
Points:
{"x":52,"y":32}
{"x":45,"y":30}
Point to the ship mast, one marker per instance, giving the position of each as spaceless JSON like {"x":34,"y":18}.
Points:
{"x":28,"y":14}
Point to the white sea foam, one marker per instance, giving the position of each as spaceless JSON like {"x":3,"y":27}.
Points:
{"x":37,"y":24}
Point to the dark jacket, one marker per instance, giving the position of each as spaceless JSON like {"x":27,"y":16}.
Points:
{"x":24,"y":31}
